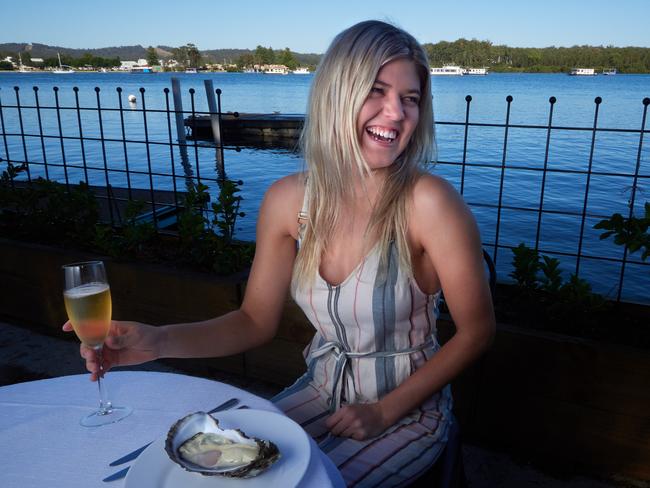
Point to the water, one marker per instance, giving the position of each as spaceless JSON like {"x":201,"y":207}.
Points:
{"x":614,"y":152}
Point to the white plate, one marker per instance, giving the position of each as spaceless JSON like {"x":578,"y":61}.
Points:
{"x":154,"y":469}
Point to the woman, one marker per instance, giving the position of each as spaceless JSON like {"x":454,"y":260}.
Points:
{"x":378,"y":239}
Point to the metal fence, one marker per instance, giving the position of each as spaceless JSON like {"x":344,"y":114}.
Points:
{"x":73,"y":119}
{"x":181,"y":153}
{"x":539,"y":210}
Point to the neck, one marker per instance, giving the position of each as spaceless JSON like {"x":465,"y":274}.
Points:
{"x":368,"y":187}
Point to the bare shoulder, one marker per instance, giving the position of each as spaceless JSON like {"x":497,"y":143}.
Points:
{"x":282,"y":202}
{"x":436,"y":201}
{"x":288,"y":187}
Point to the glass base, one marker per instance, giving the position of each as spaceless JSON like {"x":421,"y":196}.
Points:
{"x":115,"y":414}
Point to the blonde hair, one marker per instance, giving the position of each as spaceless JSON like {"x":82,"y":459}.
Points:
{"x":331,"y":146}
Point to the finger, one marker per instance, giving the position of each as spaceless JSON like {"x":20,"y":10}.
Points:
{"x":335,"y":418}
{"x":67,"y":327}
{"x":339,"y":427}
{"x":356,"y":434}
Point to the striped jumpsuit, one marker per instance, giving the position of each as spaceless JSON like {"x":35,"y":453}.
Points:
{"x":371,"y":334}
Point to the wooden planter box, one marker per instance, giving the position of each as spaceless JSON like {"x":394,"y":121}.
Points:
{"x":577,"y":404}
{"x":570,"y":404}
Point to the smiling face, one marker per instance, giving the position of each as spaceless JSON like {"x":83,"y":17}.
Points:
{"x":390,"y":113}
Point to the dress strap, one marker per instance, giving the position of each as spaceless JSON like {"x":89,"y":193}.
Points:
{"x":303,"y":215}
{"x":342,"y":369}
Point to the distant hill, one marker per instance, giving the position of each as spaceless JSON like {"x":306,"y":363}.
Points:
{"x":126,"y":53}
{"x":44,"y":51}
{"x":230,"y":55}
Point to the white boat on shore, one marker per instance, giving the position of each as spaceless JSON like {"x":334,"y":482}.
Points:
{"x":276,"y":70}
{"x":475,"y":71}
{"x":447,"y":70}
{"x":610,"y":72}
{"x":191,"y":70}
{"x":582,"y":72}
{"x":300,"y":71}
{"x":21,"y":66}
{"x":63,"y":69}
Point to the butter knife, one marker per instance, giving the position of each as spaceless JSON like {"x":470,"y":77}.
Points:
{"x":134,"y":454}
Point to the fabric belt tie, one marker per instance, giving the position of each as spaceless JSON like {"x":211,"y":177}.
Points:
{"x":341,"y":355}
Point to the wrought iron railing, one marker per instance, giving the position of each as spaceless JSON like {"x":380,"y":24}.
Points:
{"x":44,"y":150}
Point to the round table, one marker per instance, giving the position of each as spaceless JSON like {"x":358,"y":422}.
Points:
{"x":43,"y":443}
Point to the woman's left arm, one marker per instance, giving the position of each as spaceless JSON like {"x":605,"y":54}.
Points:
{"x":444,"y":229}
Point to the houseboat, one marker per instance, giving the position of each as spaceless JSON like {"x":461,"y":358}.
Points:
{"x":276,"y":69}
{"x":475,"y":71}
{"x":582,"y":72}
{"x":448,"y":70}
{"x":300,"y":71}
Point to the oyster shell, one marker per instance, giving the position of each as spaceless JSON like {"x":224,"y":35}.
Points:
{"x":197,"y":443}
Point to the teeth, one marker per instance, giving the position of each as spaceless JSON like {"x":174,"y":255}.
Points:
{"x":386,"y":134}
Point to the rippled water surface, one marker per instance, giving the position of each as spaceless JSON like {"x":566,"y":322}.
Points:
{"x":613,"y":152}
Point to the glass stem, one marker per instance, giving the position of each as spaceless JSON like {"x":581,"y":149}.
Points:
{"x":105,"y":406}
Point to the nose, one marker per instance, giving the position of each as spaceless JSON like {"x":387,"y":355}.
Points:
{"x":393,"y":108}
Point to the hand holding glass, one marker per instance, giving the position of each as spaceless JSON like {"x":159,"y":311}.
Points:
{"x":87,"y":298}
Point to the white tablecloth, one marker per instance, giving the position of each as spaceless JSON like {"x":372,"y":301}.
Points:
{"x":43,"y":444}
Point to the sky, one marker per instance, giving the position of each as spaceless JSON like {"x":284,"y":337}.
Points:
{"x":308,"y":26}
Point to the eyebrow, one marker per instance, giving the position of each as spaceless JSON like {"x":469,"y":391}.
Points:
{"x":411,"y":91}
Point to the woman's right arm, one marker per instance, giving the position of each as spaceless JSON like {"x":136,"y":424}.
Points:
{"x":252,"y":325}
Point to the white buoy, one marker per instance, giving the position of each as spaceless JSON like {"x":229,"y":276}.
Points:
{"x":132,"y":99}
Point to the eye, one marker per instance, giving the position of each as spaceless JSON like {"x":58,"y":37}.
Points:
{"x":412,"y":99}
{"x":376,"y":90}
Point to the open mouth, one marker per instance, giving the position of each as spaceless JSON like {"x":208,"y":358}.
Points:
{"x":380,"y":134}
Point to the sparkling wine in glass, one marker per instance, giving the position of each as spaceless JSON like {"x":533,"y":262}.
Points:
{"x":87,"y":298}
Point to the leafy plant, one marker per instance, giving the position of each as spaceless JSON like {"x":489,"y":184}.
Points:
{"x":526,"y":266}
{"x":545,"y":300}
{"x":631,"y":232}
{"x":130,"y":240}
{"x":551,"y":280}
{"x":226,"y":210}
{"x":46,"y":211}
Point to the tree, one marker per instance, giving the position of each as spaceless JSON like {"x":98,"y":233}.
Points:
{"x":152,"y":56}
{"x":193,"y":55}
{"x":287,"y":58}
{"x":245,"y":61}
{"x":264,"y":55}
{"x":180,"y":55}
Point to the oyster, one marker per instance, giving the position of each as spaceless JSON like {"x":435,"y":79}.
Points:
{"x":197,"y":443}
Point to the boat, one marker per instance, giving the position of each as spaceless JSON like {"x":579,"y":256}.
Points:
{"x":141,"y":69}
{"x":582,"y":72}
{"x":21,"y":66}
{"x":191,"y":70}
{"x":300,"y":71}
{"x":447,"y":70}
{"x":475,"y":71}
{"x":610,"y":72}
{"x":276,"y":70}
{"x":63,"y":69}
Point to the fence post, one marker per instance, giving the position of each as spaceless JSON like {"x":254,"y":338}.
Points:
{"x":216,"y":126}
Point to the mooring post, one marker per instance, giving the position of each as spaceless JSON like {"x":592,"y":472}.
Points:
{"x":178,"y":110}
{"x":216,"y":126}
{"x":180,"y":128}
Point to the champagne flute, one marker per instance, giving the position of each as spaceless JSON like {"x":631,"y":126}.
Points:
{"x":87,"y":298}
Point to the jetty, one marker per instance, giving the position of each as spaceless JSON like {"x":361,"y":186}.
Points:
{"x":249,"y":128}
